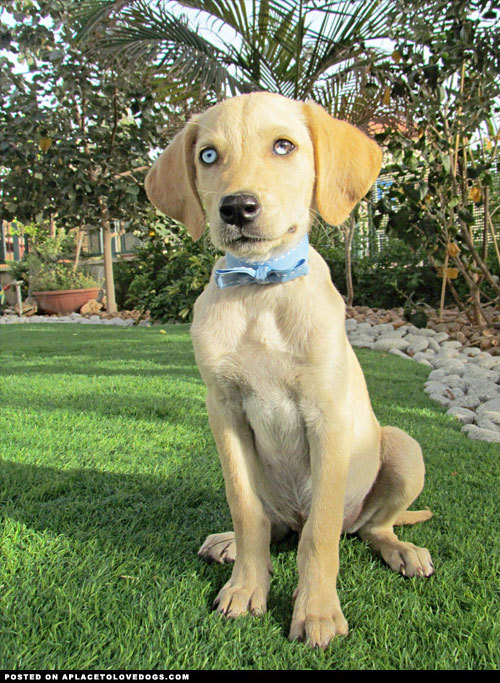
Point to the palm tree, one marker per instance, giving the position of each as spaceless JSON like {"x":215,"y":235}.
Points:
{"x":305,"y":49}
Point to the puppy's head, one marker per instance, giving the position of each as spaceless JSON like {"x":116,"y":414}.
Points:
{"x":255,"y":166}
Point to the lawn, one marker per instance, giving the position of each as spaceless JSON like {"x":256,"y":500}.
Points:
{"x":110,"y":481}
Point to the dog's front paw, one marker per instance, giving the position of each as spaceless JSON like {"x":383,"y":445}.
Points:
{"x":236,"y":599}
{"x":317,"y":622}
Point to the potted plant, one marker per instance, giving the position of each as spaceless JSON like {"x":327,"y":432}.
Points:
{"x":56,"y":281}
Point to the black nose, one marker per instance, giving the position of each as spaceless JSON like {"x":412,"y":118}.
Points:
{"x":239,"y":209}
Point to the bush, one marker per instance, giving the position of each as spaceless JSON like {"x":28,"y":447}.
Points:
{"x":172,"y":271}
{"x":61,"y":276}
{"x":47,"y":267}
{"x":388,"y":278}
{"x":124,"y":274}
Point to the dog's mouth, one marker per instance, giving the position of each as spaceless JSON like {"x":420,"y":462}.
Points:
{"x":249,"y":239}
{"x":234,"y":236}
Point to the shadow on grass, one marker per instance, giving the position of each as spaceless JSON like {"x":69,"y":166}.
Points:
{"x":132,"y":517}
{"x":134,"y":513}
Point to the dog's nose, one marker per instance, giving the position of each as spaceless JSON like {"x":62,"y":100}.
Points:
{"x":239,"y":209}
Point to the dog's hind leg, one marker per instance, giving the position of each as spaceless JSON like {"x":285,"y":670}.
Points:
{"x":399,"y":481}
{"x":221,"y":548}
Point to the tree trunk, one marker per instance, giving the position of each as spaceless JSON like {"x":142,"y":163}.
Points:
{"x":108,"y":258}
{"x":52,"y":226}
{"x":79,"y":239}
{"x":349,"y":234}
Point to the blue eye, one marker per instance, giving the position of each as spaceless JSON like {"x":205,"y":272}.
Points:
{"x":209,"y":155}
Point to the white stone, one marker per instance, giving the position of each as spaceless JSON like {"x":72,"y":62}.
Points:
{"x":351,"y":324}
{"x":438,"y":374}
{"x":491,"y":415}
{"x":451,"y":345}
{"x":475,"y":372}
{"x":470,"y":401}
{"x":450,"y":366}
{"x":484,"y":390}
{"x":434,"y":345}
{"x":478,"y":434}
{"x":483,"y":423}
{"x":393,"y":334}
{"x":462,"y":414}
{"x":447,"y":353}
{"x":397,"y":352}
{"x":441,"y":399}
{"x":417,"y":344}
{"x":472,"y":351}
{"x":363,"y":343}
{"x":434,"y":387}
{"x":388,"y":344}
{"x":441,"y":336}
{"x":455,"y":392}
{"x":493,"y":405}
{"x":383,"y":328}
{"x":454,"y":381}
{"x":489,"y":363}
{"x":363,"y":328}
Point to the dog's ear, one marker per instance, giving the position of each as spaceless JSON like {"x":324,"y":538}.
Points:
{"x":171,"y":182}
{"x":347,"y":163}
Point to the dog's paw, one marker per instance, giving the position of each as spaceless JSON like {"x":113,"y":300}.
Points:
{"x":234,"y":600}
{"x":317,"y":626}
{"x":219,"y":548}
{"x":408,"y":559}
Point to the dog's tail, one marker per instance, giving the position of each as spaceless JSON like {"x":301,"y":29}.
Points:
{"x":413,"y":517}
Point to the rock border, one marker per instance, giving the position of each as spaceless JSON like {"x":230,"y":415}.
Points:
{"x":465,"y":380}
{"x":74,"y":318}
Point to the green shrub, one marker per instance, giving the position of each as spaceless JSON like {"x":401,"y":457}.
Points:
{"x":388,"y":278}
{"x":124,"y":274}
{"x":60,"y":276}
{"x":172,"y":271}
{"x":20,"y":272}
{"x":49,"y":266}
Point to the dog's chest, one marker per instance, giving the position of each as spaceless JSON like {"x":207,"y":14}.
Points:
{"x":259,"y":370}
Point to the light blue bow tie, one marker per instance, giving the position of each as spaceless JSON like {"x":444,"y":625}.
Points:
{"x":283,"y":268}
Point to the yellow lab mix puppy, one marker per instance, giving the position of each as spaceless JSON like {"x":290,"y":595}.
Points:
{"x":299,"y":444}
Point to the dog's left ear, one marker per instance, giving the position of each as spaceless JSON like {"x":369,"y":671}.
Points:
{"x":171,"y":182}
{"x":347,"y":163}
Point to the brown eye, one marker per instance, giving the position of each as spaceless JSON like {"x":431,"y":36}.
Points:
{"x":283,"y":147}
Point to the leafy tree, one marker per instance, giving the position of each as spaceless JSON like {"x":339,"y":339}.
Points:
{"x":75,"y":136}
{"x":444,"y":157}
{"x":305,"y":49}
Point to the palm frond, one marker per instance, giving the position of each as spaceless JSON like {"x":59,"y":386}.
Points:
{"x":299,"y":49}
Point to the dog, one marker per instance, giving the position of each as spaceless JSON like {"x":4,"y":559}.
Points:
{"x":299,"y":444}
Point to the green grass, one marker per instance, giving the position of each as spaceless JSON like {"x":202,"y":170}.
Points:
{"x":110,"y":481}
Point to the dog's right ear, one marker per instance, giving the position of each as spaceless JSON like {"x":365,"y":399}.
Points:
{"x":171,"y":182}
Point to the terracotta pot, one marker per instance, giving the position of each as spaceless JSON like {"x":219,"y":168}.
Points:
{"x":65,"y":300}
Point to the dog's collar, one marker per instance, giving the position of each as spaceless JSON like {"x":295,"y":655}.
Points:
{"x":283,"y":268}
